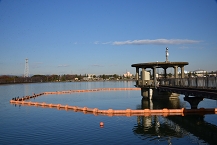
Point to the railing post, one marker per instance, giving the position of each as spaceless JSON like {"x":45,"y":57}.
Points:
{"x":215,"y":84}
{"x":196,"y":82}
{"x":188,"y":82}
{"x":204,"y":82}
{"x":174,"y":82}
{"x":207,"y":82}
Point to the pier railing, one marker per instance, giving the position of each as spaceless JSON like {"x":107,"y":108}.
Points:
{"x":197,"y":82}
{"x":145,"y":83}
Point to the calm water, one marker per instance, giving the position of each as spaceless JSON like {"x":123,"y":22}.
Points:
{"x":37,"y":125}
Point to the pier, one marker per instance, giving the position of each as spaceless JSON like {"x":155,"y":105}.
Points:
{"x":153,"y":87}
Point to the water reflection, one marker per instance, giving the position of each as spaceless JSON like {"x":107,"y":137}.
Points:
{"x":197,"y":126}
{"x":173,"y":127}
{"x":25,"y":125}
{"x":26,"y":89}
{"x":160,"y":104}
{"x":157,"y":126}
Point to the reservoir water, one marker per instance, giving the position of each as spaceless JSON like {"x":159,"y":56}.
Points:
{"x":37,"y":125}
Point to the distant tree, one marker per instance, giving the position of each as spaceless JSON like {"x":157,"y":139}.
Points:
{"x":206,"y":74}
{"x":79,"y":77}
{"x":55,"y":77}
{"x":103,"y":76}
{"x":39,"y":78}
{"x":194,"y":74}
{"x":120,"y":77}
{"x":63,"y":78}
{"x":189,"y":74}
{"x":115,"y":76}
{"x":70,"y":77}
{"x":169,"y":75}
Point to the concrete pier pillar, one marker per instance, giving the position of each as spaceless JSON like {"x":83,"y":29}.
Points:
{"x":193,"y":101}
{"x":145,"y":92}
{"x":146,"y":104}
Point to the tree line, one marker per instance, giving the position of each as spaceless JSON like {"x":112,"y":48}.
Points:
{"x":7,"y":79}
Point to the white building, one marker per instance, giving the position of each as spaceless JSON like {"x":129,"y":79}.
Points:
{"x":200,"y":73}
{"x":89,"y":77}
{"x":127,"y":74}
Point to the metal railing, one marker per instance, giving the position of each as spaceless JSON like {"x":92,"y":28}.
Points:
{"x":198,"y":82}
{"x":145,"y":83}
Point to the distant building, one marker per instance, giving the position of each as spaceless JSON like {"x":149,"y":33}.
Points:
{"x":200,"y":73}
{"x":89,"y":77}
{"x":76,"y":79}
{"x":127,"y":74}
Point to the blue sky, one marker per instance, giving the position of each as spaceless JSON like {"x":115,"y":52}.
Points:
{"x":105,"y":37}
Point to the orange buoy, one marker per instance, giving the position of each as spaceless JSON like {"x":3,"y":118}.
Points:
{"x":101,"y":124}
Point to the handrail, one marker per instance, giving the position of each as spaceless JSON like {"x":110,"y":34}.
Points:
{"x":197,"y":82}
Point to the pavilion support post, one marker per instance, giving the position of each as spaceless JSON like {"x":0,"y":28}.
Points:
{"x":143,"y":76}
{"x":145,"y":92}
{"x":176,"y":74}
{"x":182,"y":72}
{"x":175,"y":71}
{"x":137,"y":73}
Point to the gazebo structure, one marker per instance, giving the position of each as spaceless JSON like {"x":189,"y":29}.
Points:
{"x":145,"y":82}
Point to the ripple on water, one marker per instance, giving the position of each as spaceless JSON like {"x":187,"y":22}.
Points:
{"x":37,"y":125}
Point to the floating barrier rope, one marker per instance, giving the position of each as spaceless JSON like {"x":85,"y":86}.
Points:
{"x":109,"y":112}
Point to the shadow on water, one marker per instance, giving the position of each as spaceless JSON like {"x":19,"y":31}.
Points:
{"x":167,"y":128}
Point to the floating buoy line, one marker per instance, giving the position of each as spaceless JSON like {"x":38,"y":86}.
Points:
{"x":110,"y":112}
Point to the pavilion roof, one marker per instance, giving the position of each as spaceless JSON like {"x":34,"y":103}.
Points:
{"x":159,"y":64}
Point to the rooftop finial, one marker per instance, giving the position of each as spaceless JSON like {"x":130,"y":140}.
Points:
{"x":167,"y":54}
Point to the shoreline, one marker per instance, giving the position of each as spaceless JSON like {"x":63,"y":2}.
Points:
{"x":11,"y":83}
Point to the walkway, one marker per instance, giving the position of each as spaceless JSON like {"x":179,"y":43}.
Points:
{"x":205,"y":87}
